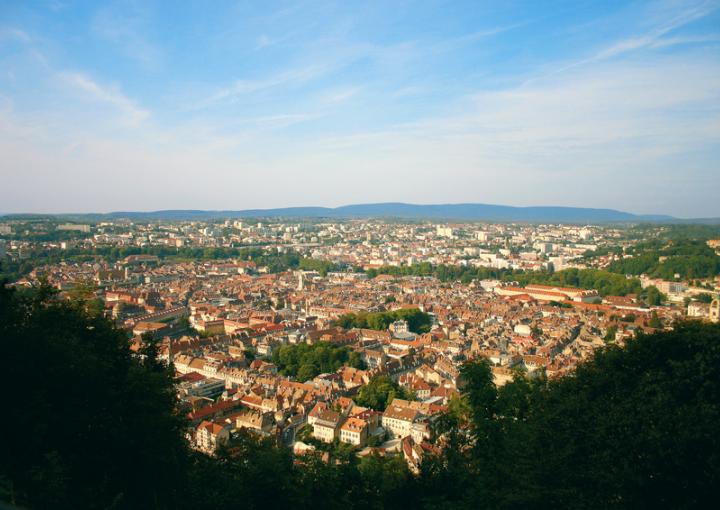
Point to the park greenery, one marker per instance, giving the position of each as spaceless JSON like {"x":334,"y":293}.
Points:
{"x":605,"y":282}
{"x":704,"y":297}
{"x":442,"y":272}
{"x":305,"y":361}
{"x":380,"y":391}
{"x":688,"y":258}
{"x":418,"y":321}
{"x":90,"y":425}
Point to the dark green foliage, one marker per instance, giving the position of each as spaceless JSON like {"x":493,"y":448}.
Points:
{"x":304,"y":434}
{"x":688,"y":258}
{"x":418,"y":322}
{"x":388,"y":480}
{"x":652,"y":296}
{"x":87,"y":421}
{"x":559,"y":304}
{"x":305,"y":361}
{"x":321,"y":266}
{"x":610,"y":335}
{"x":655,"y":321}
{"x":704,"y":297}
{"x":380,"y":391}
{"x":606,"y":283}
{"x":634,"y":428}
{"x":442,"y":272}
{"x":248,"y":473}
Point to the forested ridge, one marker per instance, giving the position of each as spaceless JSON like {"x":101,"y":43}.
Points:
{"x":88,"y":425}
{"x":688,"y":258}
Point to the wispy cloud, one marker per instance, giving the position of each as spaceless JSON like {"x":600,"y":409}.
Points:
{"x":14,"y":34}
{"x":284,"y":120}
{"x":127,"y":31}
{"x":666,"y":42}
{"x":652,"y":38}
{"x":473,"y":37}
{"x":409,"y":91}
{"x":129,"y":110}
{"x":616,"y":119}
{"x":265,"y":41}
{"x":341,"y":95}
{"x":243,"y":87}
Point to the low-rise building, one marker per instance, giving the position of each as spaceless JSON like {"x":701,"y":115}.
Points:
{"x":327,"y":426}
{"x":398,"y":420}
{"x":354,"y":431}
{"x":209,"y":435}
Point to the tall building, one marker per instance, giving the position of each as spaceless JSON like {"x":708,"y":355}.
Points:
{"x":445,"y":231}
{"x":75,"y":227}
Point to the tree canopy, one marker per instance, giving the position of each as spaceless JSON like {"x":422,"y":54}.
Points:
{"x":88,"y":421}
{"x":380,"y":391}
{"x":305,"y":361}
{"x":605,"y":282}
{"x":418,"y":321}
{"x":687,"y":258}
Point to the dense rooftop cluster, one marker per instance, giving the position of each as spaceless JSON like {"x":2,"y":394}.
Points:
{"x":352,"y":334}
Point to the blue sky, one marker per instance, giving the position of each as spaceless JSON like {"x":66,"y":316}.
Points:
{"x":232,"y":105}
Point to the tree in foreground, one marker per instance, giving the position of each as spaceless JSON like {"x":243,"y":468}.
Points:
{"x":87,"y":423}
{"x":636,"y":427}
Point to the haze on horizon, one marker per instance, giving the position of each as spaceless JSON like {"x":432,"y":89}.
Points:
{"x":242,"y":105}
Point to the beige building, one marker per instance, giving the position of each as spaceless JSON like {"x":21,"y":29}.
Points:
{"x":398,"y":419}
{"x":327,"y":426}
{"x":209,"y":435}
{"x":354,"y":431}
{"x":255,"y":421}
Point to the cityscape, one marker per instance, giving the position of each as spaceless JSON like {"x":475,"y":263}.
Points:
{"x":349,"y":255}
{"x":331,"y":333}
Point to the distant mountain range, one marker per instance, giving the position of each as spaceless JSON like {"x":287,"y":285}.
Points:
{"x":500,"y":213}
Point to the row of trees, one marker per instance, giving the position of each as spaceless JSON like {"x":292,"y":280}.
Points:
{"x":91,"y":426}
{"x":442,"y":272}
{"x":607,"y":283}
